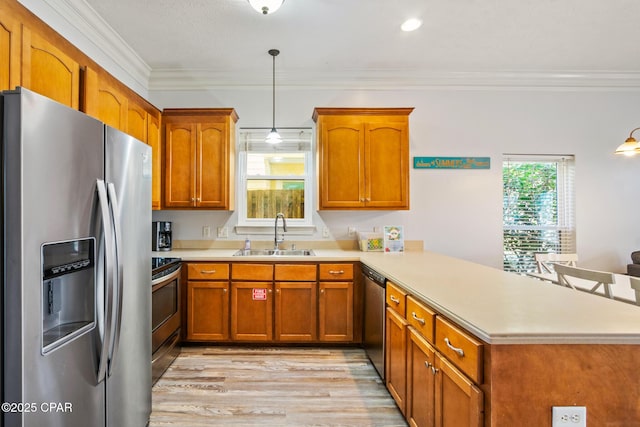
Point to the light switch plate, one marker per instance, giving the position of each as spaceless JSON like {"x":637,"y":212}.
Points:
{"x":569,"y":416}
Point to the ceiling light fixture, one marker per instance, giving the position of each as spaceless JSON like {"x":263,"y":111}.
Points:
{"x":266,"y":7}
{"x":630,"y":147}
{"x":274,"y":137}
{"x":411,"y":24}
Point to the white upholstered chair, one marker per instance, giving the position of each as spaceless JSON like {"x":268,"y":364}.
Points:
{"x":545,"y":261}
{"x":587,"y":280}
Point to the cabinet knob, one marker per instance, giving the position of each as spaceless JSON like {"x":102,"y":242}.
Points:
{"x":434,"y":370}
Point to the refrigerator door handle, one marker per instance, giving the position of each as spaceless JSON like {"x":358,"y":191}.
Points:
{"x":108,"y":287}
{"x":119,"y":290}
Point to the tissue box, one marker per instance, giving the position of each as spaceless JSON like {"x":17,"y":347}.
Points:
{"x":370,"y":241}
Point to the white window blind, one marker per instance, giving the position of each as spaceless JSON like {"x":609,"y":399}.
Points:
{"x":538,"y":209}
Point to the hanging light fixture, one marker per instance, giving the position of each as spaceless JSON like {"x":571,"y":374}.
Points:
{"x":266,"y":7}
{"x":630,"y":147}
{"x":274,"y":137}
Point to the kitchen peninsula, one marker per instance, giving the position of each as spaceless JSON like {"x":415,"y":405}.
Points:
{"x":542,"y":345}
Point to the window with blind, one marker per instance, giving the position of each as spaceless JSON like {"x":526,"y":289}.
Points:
{"x":275,"y":178}
{"x":538,"y":209}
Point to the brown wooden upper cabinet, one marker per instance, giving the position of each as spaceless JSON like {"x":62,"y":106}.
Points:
{"x":199,"y":151}
{"x":48,"y":71}
{"x":10,"y":37}
{"x":363,"y":158}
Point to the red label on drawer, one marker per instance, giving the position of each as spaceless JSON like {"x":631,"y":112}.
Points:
{"x":259,"y":294}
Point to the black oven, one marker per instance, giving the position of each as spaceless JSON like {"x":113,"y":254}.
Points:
{"x":165,"y":313}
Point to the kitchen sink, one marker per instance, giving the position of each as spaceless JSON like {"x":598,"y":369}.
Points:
{"x":274,"y":252}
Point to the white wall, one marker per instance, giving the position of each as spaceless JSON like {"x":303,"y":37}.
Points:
{"x":458,"y":212}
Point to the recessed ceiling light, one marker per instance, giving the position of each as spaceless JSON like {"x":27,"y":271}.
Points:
{"x":411,"y":24}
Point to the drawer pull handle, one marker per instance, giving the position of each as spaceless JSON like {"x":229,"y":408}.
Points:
{"x":415,"y":317}
{"x":207,"y":271}
{"x":456,"y":349}
{"x":394,"y":299}
{"x":336,"y":271}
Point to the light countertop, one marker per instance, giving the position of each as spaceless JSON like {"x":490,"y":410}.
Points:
{"x":496,"y":306}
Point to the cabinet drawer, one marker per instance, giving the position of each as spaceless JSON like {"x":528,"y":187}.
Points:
{"x":207,"y":271}
{"x":421,"y":317}
{"x":296,"y":272}
{"x":336,"y":271}
{"x":460,"y":348}
{"x":242,"y":271}
{"x":396,"y":298}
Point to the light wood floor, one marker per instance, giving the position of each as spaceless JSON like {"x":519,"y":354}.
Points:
{"x":238,"y":386}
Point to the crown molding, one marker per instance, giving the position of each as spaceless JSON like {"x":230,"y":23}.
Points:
{"x":86,"y":29}
{"x":372,"y":79}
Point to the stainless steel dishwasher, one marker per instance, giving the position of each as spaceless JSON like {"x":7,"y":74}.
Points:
{"x":374,"y":314}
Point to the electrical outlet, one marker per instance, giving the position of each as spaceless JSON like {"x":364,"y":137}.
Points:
{"x":569,"y":416}
{"x":351,"y":231}
{"x":206,"y":231}
{"x":325,"y":232}
{"x":223,"y":232}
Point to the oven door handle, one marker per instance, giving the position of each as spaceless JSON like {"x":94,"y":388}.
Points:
{"x":165,"y":279}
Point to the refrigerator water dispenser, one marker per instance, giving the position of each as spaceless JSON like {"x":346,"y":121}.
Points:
{"x":68,"y":291}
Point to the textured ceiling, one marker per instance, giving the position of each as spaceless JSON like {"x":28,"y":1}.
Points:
{"x":361,"y":38}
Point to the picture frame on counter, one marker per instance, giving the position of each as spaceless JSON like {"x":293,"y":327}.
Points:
{"x":393,"y":238}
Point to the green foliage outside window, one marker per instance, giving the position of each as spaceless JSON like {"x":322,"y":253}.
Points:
{"x":530,"y":213}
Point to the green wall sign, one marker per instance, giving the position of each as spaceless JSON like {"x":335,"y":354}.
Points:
{"x":451,"y":162}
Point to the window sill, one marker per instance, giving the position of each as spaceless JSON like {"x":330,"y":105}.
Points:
{"x":296,"y":230}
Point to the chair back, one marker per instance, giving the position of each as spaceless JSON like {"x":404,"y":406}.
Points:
{"x":635,"y":285}
{"x":600,"y":278}
{"x":545,"y":261}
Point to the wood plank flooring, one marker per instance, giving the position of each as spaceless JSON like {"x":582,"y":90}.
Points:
{"x":274,"y":386}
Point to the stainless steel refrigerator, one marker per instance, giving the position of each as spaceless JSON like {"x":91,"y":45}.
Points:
{"x":76,"y":269}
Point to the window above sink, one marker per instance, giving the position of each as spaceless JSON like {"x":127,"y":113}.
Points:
{"x":275,"y":178}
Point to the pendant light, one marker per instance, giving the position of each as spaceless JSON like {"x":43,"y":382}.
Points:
{"x":266,"y":7}
{"x":630,"y":147}
{"x":274,"y":137}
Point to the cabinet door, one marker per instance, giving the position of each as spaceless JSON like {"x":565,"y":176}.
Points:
{"x":211,"y":158}
{"x":459,"y":402}
{"x":387,"y":165}
{"x":49,"y":71}
{"x":180,"y":145}
{"x":112,"y":106}
{"x":336,"y":311}
{"x":208,"y":311}
{"x":252,"y":311}
{"x":341,"y":148}
{"x":153,"y":139}
{"x":396,"y":358}
{"x":421,"y":381}
{"x":10,"y":36}
{"x":296,"y":311}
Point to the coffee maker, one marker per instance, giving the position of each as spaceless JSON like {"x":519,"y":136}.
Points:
{"x":161,"y":236}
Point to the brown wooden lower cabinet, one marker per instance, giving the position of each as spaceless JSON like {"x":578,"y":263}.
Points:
{"x":335,"y":312}
{"x":296,"y":311}
{"x":207,"y":311}
{"x":252,"y":311}
{"x":396,"y":358}
{"x":438,"y":394}
{"x":421,"y":381}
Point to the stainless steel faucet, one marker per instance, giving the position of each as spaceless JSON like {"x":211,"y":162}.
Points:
{"x":277,"y":241}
